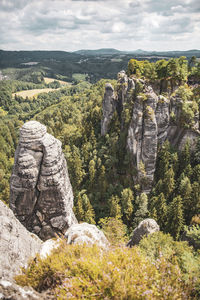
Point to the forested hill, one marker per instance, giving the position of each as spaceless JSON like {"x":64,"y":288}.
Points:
{"x":100,"y":167}
{"x":91,"y":64}
{"x":111,"y":166}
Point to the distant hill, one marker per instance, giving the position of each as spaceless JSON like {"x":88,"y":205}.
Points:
{"x":138,"y":52}
{"x":103,"y":51}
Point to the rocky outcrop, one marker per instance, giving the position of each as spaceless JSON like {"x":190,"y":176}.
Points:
{"x":86,"y":233}
{"x":154,"y":119}
{"x":146,"y":227}
{"x":40,"y":191}
{"x":114,"y":102}
{"x":142,"y":138}
{"x":109,"y":106}
{"x":17,"y":245}
{"x":162,"y":118}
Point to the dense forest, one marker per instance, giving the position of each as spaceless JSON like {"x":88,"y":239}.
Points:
{"x":100,"y":167}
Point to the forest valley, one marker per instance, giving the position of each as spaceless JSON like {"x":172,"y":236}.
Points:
{"x":101,"y":168}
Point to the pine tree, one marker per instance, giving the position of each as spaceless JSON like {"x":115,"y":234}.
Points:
{"x":92,"y":172}
{"x":83,"y":209}
{"x":142,"y":209}
{"x":161,"y":208}
{"x":175,"y":217}
{"x":168,"y":183}
{"x":184,"y":158}
{"x":89,"y":214}
{"x":127,"y":203}
{"x":185,"y":190}
{"x":163,"y":159}
{"x":115,"y":208}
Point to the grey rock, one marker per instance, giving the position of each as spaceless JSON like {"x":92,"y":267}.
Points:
{"x":12,"y":291}
{"x":40,"y":191}
{"x":48,"y":246}
{"x":162,"y":118}
{"x":155,"y":119}
{"x":86,"y":233}
{"x":17,"y":244}
{"x":109,"y":107}
{"x":142,"y":139}
{"x":146,"y":227}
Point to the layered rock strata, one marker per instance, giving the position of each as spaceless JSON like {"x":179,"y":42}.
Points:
{"x":40,"y":190}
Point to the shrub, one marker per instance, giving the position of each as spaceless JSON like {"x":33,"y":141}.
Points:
{"x":159,"y":245}
{"x":83,"y":272}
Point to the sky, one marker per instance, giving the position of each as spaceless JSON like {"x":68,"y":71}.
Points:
{"x":70,"y":25}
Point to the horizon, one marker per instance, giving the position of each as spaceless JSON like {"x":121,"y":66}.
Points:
{"x":72,"y":25}
{"x":97,"y":49}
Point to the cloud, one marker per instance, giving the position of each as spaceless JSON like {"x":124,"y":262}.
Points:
{"x":124,"y":24}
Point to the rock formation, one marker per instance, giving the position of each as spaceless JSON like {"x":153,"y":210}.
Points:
{"x":146,"y":227}
{"x":142,"y":138}
{"x":86,"y":233}
{"x":40,"y":191}
{"x":17,"y":244}
{"x":109,"y":106}
{"x":154,"y":118}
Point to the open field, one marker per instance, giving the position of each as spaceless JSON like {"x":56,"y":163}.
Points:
{"x":49,"y":80}
{"x":32,"y":93}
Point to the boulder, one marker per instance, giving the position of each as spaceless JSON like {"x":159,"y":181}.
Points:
{"x":41,"y":195}
{"x":86,"y":233}
{"x":146,"y":227}
{"x":17,"y":244}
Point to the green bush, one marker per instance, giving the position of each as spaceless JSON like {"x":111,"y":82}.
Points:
{"x":159,"y":245}
{"x":86,"y":272}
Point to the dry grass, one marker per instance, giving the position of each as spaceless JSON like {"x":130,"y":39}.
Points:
{"x":32,"y":93}
{"x":49,"y":80}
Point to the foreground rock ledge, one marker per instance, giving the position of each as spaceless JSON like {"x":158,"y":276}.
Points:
{"x":40,"y":190}
{"x":17,"y":244}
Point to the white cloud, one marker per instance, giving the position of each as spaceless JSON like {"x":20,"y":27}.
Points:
{"x":124,"y":24}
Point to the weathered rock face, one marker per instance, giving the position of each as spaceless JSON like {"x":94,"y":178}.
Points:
{"x":40,"y":191}
{"x":142,"y":138}
{"x":86,"y":233}
{"x":17,"y":245}
{"x":162,"y":118}
{"x":109,"y":106}
{"x":154,"y":119}
{"x":146,"y":227}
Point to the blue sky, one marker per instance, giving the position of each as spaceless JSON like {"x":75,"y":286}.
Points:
{"x":71,"y":25}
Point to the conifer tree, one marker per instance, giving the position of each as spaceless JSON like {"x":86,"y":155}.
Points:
{"x":127,"y":203}
{"x":161,"y":208}
{"x":115,"y":208}
{"x":175,"y":217}
{"x":92,"y":172}
{"x":142,"y":209}
{"x":184,"y":158}
{"x":163,"y":159}
{"x":83,"y":208}
{"x":89,"y":214}
{"x":185,"y":190}
{"x":168,"y":183}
